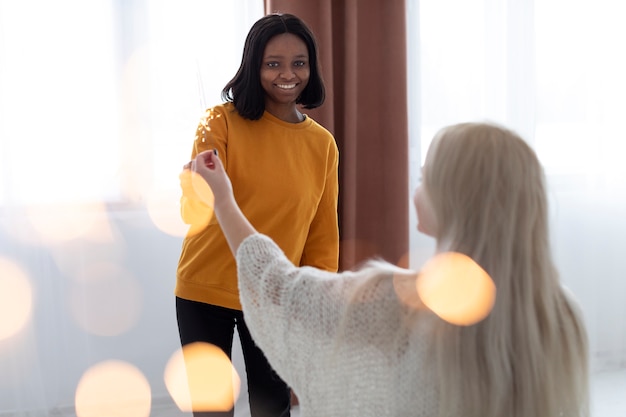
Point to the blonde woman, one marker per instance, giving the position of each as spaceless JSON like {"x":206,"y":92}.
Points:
{"x":349,"y":345}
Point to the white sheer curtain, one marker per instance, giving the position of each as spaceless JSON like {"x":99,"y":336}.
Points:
{"x":553,"y":70}
{"x":99,"y":102}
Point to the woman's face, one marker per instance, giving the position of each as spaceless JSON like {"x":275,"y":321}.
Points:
{"x":285,"y":69}
{"x":426,"y":219}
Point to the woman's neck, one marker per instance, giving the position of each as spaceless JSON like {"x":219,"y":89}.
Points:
{"x":289,"y":114}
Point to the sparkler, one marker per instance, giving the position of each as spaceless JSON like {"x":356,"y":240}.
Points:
{"x":200,"y":87}
{"x":204,"y":127}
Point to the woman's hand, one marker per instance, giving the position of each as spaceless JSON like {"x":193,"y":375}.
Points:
{"x":232,"y":221}
{"x":208,"y":165}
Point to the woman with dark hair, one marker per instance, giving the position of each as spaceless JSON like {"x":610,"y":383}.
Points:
{"x":283,"y":166}
{"x":245,"y":89}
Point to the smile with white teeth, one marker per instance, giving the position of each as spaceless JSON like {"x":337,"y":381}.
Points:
{"x":286,"y":86}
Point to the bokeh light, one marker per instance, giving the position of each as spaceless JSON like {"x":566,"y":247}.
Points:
{"x":164,"y":211}
{"x":62,"y":222}
{"x":16,"y":298}
{"x":200,"y":377}
{"x":113,"y":389}
{"x":201,"y":217}
{"x":106,"y":300}
{"x":65,"y":255}
{"x":202,"y":189}
{"x":456,"y":288}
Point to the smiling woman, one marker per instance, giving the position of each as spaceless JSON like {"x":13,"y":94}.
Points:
{"x":284,"y":75}
{"x":258,"y":129}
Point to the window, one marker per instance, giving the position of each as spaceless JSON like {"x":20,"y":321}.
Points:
{"x":106,"y":94}
{"x":548,"y":69}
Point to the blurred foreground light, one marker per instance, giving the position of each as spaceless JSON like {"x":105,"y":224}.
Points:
{"x":200,"y":377}
{"x":113,"y":389}
{"x":16,"y":299}
{"x":164,"y":211}
{"x":456,"y":288}
{"x":198,"y":219}
{"x":62,"y":222}
{"x":106,"y":300}
{"x":202,"y":189}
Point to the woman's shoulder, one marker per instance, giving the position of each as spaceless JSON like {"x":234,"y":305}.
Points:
{"x":322,"y":134}
{"x":225,"y":114}
{"x":227,"y":108}
{"x":314,"y":124}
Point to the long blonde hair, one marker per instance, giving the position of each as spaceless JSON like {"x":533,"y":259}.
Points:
{"x":529,"y":357}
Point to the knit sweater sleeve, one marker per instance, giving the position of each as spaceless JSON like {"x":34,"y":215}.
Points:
{"x":288,"y":309}
{"x":342,"y":341}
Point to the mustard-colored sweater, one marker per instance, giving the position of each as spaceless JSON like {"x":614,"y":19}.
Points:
{"x":285,"y":180}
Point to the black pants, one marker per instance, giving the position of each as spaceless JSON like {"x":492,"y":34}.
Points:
{"x":268,"y":394}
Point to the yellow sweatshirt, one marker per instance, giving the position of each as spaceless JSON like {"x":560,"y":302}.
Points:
{"x":285,"y":180}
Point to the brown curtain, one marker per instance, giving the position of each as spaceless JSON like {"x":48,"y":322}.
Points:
{"x":362,"y":48}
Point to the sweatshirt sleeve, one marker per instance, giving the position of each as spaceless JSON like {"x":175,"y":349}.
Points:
{"x":211,"y":133}
{"x":321,"y":249}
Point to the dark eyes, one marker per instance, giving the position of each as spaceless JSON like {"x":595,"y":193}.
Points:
{"x":274,"y":64}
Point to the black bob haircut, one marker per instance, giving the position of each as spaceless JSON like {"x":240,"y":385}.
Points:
{"x":245,"y":90}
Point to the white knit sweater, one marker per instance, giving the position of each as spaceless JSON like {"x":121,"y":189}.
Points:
{"x":342,"y":355}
